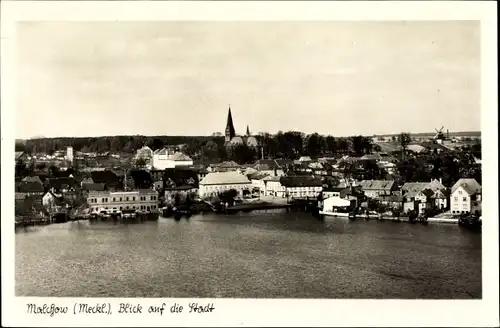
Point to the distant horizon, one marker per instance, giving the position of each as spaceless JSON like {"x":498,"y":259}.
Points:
{"x":472,"y":132}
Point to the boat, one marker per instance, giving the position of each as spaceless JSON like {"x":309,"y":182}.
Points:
{"x":128,"y":214}
{"x":470,"y":222}
{"x":336,"y":214}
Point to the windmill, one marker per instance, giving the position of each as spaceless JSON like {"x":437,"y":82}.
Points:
{"x":440,"y":136}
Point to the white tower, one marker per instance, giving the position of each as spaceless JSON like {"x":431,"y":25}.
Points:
{"x":69,"y":154}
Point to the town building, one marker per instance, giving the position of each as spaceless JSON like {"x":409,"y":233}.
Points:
{"x":179,"y":183}
{"x":301,"y":186}
{"x":233,"y":140}
{"x":141,"y":200}
{"x":27,"y":189}
{"x":258,"y":184}
{"x":54,"y":202}
{"x":165,"y":158}
{"x":217,"y":182}
{"x":376,"y":188}
{"x":420,"y":196}
{"x":466,"y":196}
{"x":273,"y":187}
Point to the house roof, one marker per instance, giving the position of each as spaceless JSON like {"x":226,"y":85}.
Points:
{"x":229,"y":164}
{"x":471,"y":186}
{"x":305,"y":159}
{"x":34,"y":178}
{"x":94,"y":186}
{"x":236,"y":140}
{"x":19,"y":154}
{"x":370,"y":157}
{"x":107,"y":177}
{"x":416,"y":148}
{"x":272,"y":178}
{"x":269,"y":162}
{"x":282,"y":162}
{"x":178,"y":156}
{"x":26,"y":187}
{"x":427,"y":192}
{"x":257,"y":176}
{"x":301,"y":181}
{"x":414,"y":186}
{"x":252,"y":141}
{"x":230,"y":177}
{"x":61,"y":183}
{"x":181,"y":176}
{"x":376,"y":184}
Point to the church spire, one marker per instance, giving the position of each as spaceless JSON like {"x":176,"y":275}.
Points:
{"x":248,"y":131}
{"x":230,"y":132}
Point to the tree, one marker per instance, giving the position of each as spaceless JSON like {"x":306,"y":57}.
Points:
{"x":331,"y":145}
{"x":314,"y":144}
{"x":242,"y":154}
{"x":404,"y":141}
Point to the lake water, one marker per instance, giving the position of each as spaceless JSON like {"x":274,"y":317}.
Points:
{"x":249,"y":255}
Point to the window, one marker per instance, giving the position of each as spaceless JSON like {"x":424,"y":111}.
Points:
{"x":460,"y":192}
{"x":464,"y":199}
{"x":114,"y":199}
{"x":121,"y":199}
{"x":126,"y":198}
{"x":133,"y":198}
{"x":456,"y":199}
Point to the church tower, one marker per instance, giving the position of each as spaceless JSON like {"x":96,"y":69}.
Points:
{"x":230,"y":132}
{"x":248,"y":132}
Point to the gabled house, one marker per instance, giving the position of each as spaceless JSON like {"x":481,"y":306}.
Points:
{"x":26,"y":189}
{"x":376,"y":188}
{"x":218,"y":182}
{"x":54,"y":202}
{"x":258,"y":184}
{"x":466,"y":196}
{"x":301,"y":186}
{"x":273,"y":187}
{"x":110,"y":179}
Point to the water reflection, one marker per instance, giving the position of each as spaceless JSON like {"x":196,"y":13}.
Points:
{"x":270,"y":254}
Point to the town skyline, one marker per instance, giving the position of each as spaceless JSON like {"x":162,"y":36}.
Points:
{"x":178,"y":78}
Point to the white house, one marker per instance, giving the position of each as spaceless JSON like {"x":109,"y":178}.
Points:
{"x":273,"y":187}
{"x":53,"y":202}
{"x":144,"y":153}
{"x":465,"y":196}
{"x":302,"y":186}
{"x":165,"y":158}
{"x":216,"y":182}
{"x":140,"y":200}
{"x":258,"y":183}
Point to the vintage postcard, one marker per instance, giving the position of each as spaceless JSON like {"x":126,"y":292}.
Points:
{"x":249,"y":164}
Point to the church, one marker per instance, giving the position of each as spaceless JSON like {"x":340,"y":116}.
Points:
{"x":232,"y":140}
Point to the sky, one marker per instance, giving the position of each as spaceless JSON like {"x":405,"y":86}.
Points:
{"x":78,"y":79}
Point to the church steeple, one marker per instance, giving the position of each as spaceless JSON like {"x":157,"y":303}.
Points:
{"x":230,"y":132}
{"x":248,"y":132}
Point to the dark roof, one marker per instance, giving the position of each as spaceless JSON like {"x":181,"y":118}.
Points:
{"x":301,"y":181}
{"x":270,"y":163}
{"x":94,"y":186}
{"x":26,"y":187}
{"x":181,"y":177}
{"x":142,"y":179}
{"x":283,"y":162}
{"x":61,"y":183}
{"x":107,"y":177}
